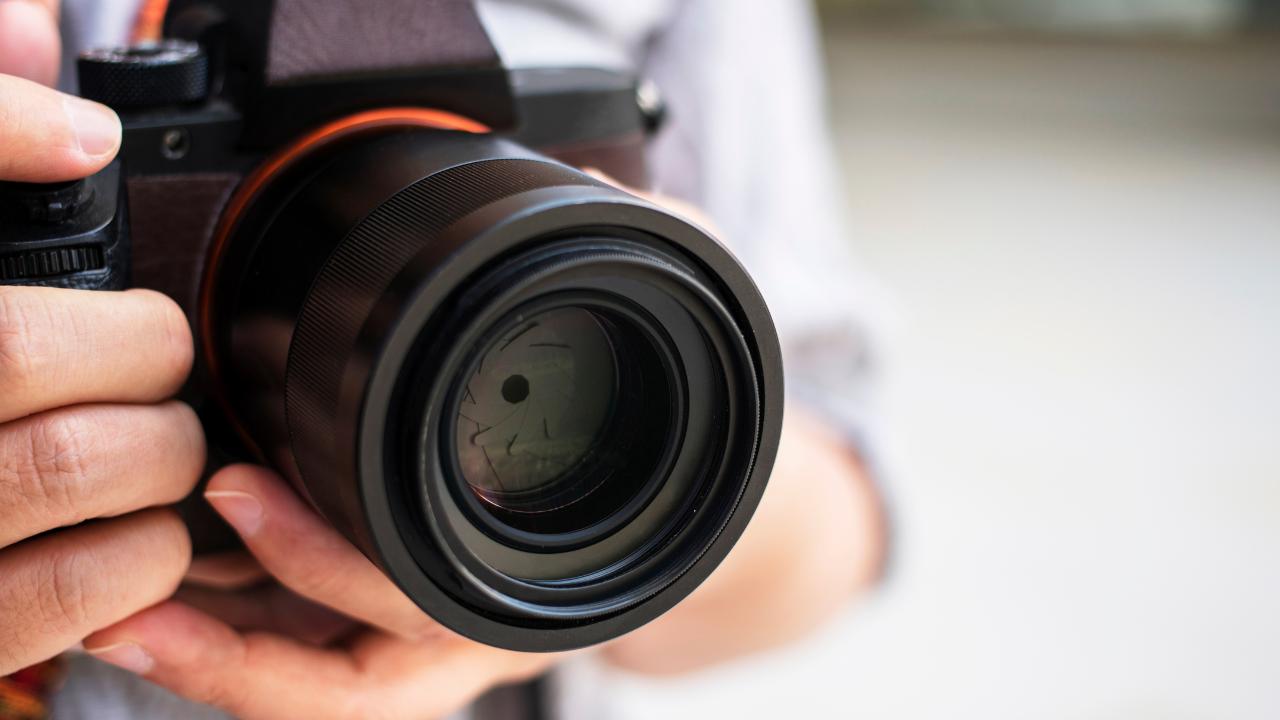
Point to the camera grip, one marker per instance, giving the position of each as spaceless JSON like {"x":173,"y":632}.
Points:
{"x":70,"y":235}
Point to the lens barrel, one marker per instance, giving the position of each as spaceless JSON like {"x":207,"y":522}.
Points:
{"x":544,"y":407}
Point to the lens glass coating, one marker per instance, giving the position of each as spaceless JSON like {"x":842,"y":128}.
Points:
{"x":536,"y":406}
{"x":562,"y":421}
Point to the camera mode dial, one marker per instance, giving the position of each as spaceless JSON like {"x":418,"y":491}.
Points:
{"x":169,"y":72}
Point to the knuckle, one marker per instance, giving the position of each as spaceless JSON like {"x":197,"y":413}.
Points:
{"x":47,"y":601}
{"x":57,"y":467}
{"x":68,"y":583}
{"x":72,"y":584}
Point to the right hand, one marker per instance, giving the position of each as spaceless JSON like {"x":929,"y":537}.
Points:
{"x":86,"y":432}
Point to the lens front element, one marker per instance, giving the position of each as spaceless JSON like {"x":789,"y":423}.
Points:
{"x":535,"y":408}
{"x":560,"y":421}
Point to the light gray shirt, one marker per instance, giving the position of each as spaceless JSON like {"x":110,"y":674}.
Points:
{"x":746,"y":141}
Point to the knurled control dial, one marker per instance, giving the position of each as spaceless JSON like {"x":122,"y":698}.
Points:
{"x":170,"y":72}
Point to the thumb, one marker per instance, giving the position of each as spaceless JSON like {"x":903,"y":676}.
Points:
{"x":29,"y":42}
{"x":48,"y":136}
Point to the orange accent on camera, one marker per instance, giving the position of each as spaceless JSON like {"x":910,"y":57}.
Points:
{"x":323,"y":136}
{"x":148,"y":25}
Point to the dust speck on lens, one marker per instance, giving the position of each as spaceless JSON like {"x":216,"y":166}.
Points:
{"x":515,"y":389}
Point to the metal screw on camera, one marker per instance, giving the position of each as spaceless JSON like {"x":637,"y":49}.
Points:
{"x":175,"y":144}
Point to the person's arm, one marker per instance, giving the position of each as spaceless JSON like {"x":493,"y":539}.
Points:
{"x":816,"y":539}
{"x":747,"y":142}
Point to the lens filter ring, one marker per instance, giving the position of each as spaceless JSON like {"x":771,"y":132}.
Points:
{"x":678,"y":508}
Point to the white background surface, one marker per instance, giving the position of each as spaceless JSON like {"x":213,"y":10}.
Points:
{"x":1083,"y":238}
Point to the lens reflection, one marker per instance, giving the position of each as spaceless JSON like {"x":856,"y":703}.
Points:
{"x":536,"y":407}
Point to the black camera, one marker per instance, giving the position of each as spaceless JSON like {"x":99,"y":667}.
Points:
{"x":544,"y":407}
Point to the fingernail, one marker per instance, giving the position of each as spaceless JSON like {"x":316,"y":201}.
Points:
{"x":127,"y":655}
{"x":97,"y":128}
{"x":240,"y":509}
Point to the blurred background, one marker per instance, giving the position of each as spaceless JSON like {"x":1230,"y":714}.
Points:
{"x":1075,"y":206}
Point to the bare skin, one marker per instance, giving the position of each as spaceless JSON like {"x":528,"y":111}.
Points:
{"x":302,"y":625}
{"x":86,"y":432}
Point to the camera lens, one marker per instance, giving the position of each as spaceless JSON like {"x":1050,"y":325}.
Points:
{"x":544,"y":407}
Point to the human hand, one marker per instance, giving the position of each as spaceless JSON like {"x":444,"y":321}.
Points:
{"x":85,"y":434}
{"x":85,"y":431}
{"x":47,"y":135}
{"x":327,"y":636}
{"x":29,"y":42}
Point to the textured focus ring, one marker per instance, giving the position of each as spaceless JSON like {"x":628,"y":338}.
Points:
{"x":369,"y":259}
{"x":171,"y":72}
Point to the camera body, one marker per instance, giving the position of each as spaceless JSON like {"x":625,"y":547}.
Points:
{"x":544,"y":407}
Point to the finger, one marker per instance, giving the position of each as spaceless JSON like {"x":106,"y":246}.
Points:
{"x":307,"y":555}
{"x":272,"y":608}
{"x":29,"y":41}
{"x":226,"y":571}
{"x":65,"y":347}
{"x":252,"y":676}
{"x":49,"y":136}
{"x":66,"y":466}
{"x":56,"y":589}
{"x":262,"y":675}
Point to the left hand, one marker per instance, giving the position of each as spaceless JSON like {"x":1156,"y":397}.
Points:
{"x":329,"y":637}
